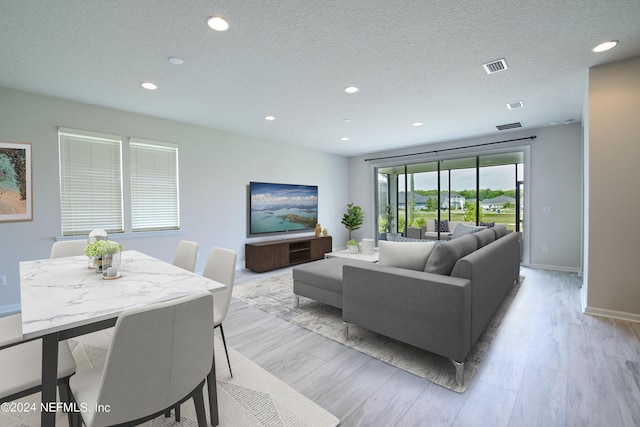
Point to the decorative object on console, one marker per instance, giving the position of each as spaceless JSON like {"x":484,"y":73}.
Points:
{"x":353,"y":218}
{"x":318,"y":230}
{"x":367,"y":246}
{"x":352,"y":245}
{"x":325,"y":233}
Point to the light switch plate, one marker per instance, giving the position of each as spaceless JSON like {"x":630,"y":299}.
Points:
{"x":3,"y":279}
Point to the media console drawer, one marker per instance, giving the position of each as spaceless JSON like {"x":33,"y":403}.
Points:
{"x":270,"y":255}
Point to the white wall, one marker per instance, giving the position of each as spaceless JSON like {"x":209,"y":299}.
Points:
{"x":215,"y":169}
{"x":554,"y":179}
{"x":613,"y":148}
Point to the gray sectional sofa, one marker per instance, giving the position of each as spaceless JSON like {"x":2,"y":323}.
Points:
{"x":435,"y":296}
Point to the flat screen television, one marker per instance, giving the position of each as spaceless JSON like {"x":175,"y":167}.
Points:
{"x":282,"y":208}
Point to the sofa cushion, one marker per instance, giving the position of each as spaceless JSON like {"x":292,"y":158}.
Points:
{"x":410,"y":255}
{"x":500,"y":230}
{"x":464,"y":229}
{"x":445,"y":255}
{"x":485,"y":237}
{"x":431,"y":226}
{"x":324,"y":274}
{"x":444,"y":225}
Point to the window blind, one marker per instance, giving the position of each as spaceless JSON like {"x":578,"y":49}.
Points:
{"x":90,"y":181}
{"x":154,"y":185}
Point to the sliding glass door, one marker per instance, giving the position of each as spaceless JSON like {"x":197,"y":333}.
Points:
{"x":483,"y":190}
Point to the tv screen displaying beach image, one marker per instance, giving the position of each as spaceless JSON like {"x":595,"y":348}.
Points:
{"x":278,"y":208}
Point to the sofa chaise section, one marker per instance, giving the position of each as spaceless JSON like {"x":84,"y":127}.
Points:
{"x":321,"y":280}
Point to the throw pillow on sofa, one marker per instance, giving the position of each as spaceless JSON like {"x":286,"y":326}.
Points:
{"x":464,"y":229}
{"x":409,"y":255}
{"x":485,"y":237}
{"x":445,"y":255}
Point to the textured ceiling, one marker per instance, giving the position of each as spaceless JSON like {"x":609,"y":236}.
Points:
{"x":414,"y":61}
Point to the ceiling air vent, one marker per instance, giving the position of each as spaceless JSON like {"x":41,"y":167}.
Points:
{"x":495,"y":66}
{"x":509,"y":126}
{"x":515,"y":105}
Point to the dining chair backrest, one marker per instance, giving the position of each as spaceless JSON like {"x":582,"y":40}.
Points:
{"x":158,"y":355}
{"x":64,"y":248}
{"x":186,"y":255}
{"x":221,"y":267}
{"x":21,"y":364}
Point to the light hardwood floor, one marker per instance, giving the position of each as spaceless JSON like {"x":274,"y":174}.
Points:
{"x":549,"y":365}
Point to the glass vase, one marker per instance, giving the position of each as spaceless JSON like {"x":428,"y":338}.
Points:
{"x":111,"y":261}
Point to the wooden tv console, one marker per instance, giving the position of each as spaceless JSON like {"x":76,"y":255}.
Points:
{"x":265,"y":256}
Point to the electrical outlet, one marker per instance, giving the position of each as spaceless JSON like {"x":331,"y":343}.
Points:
{"x":3,"y":280}
{"x":545,"y":248}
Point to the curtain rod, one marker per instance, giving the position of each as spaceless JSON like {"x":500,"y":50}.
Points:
{"x":449,"y":149}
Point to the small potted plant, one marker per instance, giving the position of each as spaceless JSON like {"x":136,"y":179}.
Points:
{"x":102,"y":252}
{"x":353,"y":218}
{"x":388,"y":219}
{"x":352,"y":245}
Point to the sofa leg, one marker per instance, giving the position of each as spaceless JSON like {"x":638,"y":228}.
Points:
{"x":297,"y":301}
{"x":459,"y":371}
{"x":345,"y":330}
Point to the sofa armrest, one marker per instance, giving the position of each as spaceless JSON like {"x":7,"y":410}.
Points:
{"x":493,"y":270}
{"x":426,"y":310}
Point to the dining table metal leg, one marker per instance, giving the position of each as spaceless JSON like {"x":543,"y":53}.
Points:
{"x":49,"y":379}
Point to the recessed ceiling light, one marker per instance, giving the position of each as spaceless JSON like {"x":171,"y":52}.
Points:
{"x":149,"y":85}
{"x":346,"y":120}
{"x":218,"y":23}
{"x":175,"y":60}
{"x":605,"y":46}
{"x":351,"y":89}
{"x":269,"y":118}
{"x":344,"y":138}
{"x":418,"y":124}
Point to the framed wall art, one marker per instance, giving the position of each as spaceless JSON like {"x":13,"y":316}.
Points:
{"x":16,"y":200}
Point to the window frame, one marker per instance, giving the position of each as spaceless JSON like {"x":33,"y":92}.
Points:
{"x":126,"y":148}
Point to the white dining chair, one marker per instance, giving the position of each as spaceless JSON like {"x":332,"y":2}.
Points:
{"x":221,"y":267}
{"x":21,"y":363}
{"x":159,"y":357}
{"x":64,"y":248}
{"x":186,"y":255}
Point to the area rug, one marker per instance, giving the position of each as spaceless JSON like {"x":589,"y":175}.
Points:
{"x":274,"y":295}
{"x":252,"y":398}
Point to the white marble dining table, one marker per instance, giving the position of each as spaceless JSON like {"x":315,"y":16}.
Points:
{"x":62,"y":298}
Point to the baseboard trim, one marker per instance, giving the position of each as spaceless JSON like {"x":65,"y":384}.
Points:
{"x":8,"y":310}
{"x":576,"y":270}
{"x":612,"y":314}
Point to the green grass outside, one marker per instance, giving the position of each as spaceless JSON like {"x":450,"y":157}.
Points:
{"x":506,"y":216}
